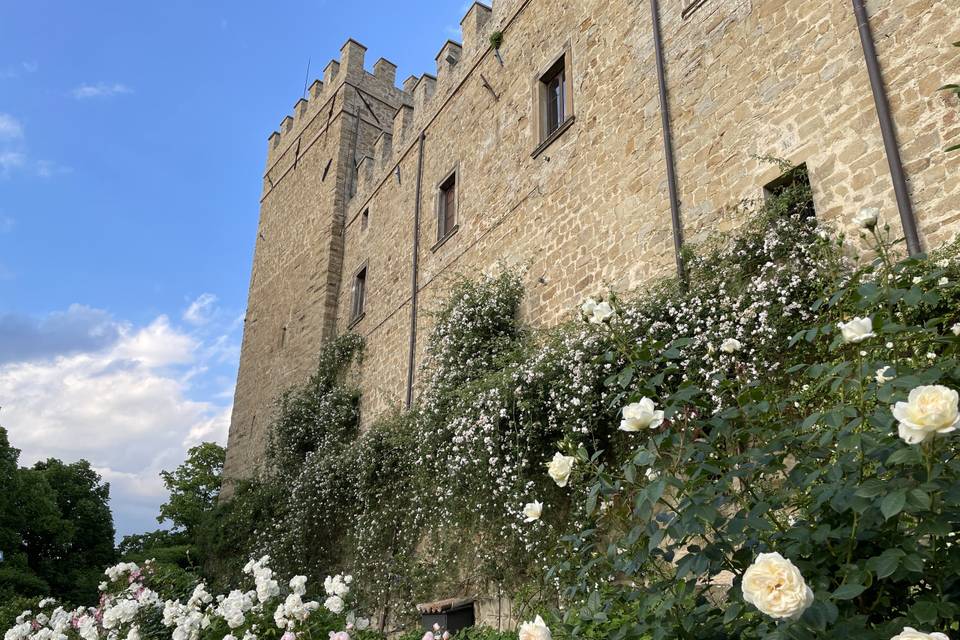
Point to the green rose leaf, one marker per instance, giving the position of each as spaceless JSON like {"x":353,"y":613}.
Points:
{"x":848,"y":591}
{"x":893,"y":503}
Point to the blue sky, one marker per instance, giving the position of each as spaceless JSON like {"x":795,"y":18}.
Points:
{"x":132,"y":141}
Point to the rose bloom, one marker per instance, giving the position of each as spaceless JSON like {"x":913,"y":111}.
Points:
{"x":909,"y":633}
{"x":857,"y":330}
{"x":596,"y":312}
{"x":334,"y":604}
{"x":929,"y":409}
{"x":774,"y":586}
{"x":956,"y":329}
{"x":560,"y":467}
{"x":532,"y":510}
{"x":641,"y":415}
{"x":536,"y":630}
{"x":867,"y":217}
{"x":730,"y":345}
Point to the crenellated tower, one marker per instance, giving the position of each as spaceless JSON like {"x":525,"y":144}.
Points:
{"x":316,"y":160}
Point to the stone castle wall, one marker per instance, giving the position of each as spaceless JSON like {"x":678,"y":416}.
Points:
{"x":746,"y":78}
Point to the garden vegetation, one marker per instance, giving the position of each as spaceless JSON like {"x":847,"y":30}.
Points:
{"x":767,"y":450}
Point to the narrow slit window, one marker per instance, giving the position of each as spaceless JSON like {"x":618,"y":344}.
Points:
{"x":447,"y":208}
{"x":364,"y":219}
{"x":359,"y":294}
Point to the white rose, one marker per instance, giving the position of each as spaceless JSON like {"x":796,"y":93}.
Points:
{"x":298,"y":584}
{"x":651,"y":474}
{"x":867,"y":217}
{"x":881,"y":376}
{"x":956,"y":329}
{"x":536,"y":630}
{"x":730,"y":345}
{"x":587,"y":307}
{"x":929,"y":409}
{"x":601,"y":313}
{"x":944,"y":281}
{"x":560,"y":467}
{"x":334,"y":604}
{"x":532,"y":511}
{"x":641,"y":415}
{"x":774,"y":586}
{"x":909,"y":633}
{"x":857,"y":330}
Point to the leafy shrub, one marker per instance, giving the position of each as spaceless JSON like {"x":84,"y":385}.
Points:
{"x":800,"y":457}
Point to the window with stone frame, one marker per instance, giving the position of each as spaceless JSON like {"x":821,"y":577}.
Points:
{"x":447,"y":206}
{"x":553,"y":94}
{"x":358,"y":304}
{"x":796,"y":178}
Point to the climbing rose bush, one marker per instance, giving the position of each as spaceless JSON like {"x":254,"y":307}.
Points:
{"x":806,"y":485}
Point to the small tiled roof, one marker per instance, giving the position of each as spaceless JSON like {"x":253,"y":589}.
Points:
{"x":443,"y":605}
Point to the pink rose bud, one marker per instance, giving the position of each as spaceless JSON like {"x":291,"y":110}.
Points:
{"x":289,"y":635}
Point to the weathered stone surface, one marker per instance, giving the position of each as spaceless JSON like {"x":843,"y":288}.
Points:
{"x":746,"y":78}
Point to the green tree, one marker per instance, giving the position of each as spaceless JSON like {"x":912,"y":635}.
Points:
{"x":9,"y":480}
{"x":86,"y":538}
{"x":194,"y":488}
{"x":25,"y":508}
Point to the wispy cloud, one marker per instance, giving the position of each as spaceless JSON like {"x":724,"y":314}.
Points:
{"x":200,"y":310}
{"x":6,"y":223}
{"x":100,"y":90}
{"x":10,"y":127}
{"x":49,"y":168}
{"x":10,"y":160}
{"x":17,"y":70}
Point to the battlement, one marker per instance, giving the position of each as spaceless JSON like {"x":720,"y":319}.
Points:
{"x":414,"y":99}
{"x":347,"y":69}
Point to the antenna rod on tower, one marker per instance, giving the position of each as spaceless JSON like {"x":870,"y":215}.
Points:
{"x":306,"y":78}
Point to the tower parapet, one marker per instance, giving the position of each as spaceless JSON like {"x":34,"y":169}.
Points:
{"x":473,"y":28}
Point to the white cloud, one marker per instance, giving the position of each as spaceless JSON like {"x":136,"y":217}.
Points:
{"x":131,"y":406}
{"x":7,"y":224}
{"x":100,"y":90}
{"x":10,"y":127}
{"x":200,"y":310}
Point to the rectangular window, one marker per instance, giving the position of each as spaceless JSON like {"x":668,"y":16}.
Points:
{"x":553,"y":100}
{"x":794,"y":189}
{"x":447,"y":206}
{"x":359,"y":294}
{"x":554,"y":90}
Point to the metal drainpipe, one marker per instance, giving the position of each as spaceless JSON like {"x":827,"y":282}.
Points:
{"x":907,"y":219}
{"x":411,"y":362}
{"x":668,"y":143}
